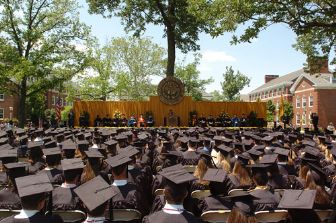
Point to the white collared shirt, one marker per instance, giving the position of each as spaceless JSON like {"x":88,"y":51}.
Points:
{"x":95,"y":146}
{"x":130,"y":167}
{"x":119,"y":183}
{"x":65,"y":185}
{"x":26,"y":214}
{"x":94,"y":219}
{"x":173,"y":208}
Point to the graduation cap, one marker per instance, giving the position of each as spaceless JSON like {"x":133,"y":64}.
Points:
{"x":95,"y":192}
{"x":8,"y":156}
{"x":118,"y":160}
{"x":33,"y":184}
{"x":129,"y":151}
{"x":224,"y":149}
{"x":281,"y":151}
{"x":50,"y":144}
{"x":121,"y":137}
{"x":243,"y":201}
{"x":218,"y":138}
{"x":215,"y":175}
{"x":239,"y":145}
{"x":34,"y":145}
{"x":267,"y":139}
{"x":3,"y":141}
{"x":183,"y":139}
{"x":255,"y":152}
{"x":3,"y":134}
{"x":269,"y":159}
{"x":177,"y":176}
{"x":19,"y":131}
{"x":243,"y":158}
{"x":69,"y":146}
{"x":72,"y":164}
{"x":297,"y":199}
{"x":311,"y":152}
{"x":23,"y":137}
{"x":52,"y":152}
{"x":83,"y":145}
{"x":92,"y":154}
{"x":259,"y":147}
{"x":308,"y":143}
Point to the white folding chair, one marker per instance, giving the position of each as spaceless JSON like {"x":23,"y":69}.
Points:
{"x":189,"y":168}
{"x":73,"y":216}
{"x":270,"y":217}
{"x":216,"y":216}
{"x":4,"y":213}
{"x":125,"y":215}
{"x":200,"y":194}
{"x":324,"y":215}
{"x":233,"y":191}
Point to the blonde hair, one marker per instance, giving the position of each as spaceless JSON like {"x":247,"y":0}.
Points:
{"x":322,"y":197}
{"x":224,"y":163}
{"x":200,"y":171}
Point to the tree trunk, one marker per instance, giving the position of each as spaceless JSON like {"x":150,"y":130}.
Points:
{"x":22,"y":103}
{"x":171,"y":51}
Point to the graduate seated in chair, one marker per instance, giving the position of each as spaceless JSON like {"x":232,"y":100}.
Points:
{"x":33,"y":193}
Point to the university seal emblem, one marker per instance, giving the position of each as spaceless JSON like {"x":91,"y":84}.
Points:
{"x":171,"y":90}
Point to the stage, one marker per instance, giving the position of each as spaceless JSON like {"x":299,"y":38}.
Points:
{"x":160,"y":110}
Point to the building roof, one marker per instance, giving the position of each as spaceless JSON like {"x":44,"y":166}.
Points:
{"x":287,"y":79}
{"x":319,"y":81}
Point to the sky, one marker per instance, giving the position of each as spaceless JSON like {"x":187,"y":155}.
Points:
{"x":271,"y":53}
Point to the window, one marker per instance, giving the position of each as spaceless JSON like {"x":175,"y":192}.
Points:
{"x":311,"y":101}
{"x":298,"y":102}
{"x":304,"y":102}
{"x":2,"y":113}
{"x":298,"y":121}
{"x":303,"y":118}
{"x":53,"y":100}
{"x":2,"y":96}
{"x":310,"y":120}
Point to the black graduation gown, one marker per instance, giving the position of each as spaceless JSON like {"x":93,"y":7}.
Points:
{"x":279,"y":182}
{"x":9,"y":200}
{"x":65,"y":199}
{"x":37,"y":218}
{"x":214,"y":202}
{"x":162,"y":217}
{"x":128,"y":197}
{"x":34,"y":168}
{"x":285,"y":169}
{"x":265,"y":200}
{"x":196,"y":185}
{"x":190,"y":158}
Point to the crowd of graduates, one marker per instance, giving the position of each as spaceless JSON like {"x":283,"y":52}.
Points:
{"x":155,"y":171}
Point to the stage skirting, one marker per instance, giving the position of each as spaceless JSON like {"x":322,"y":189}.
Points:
{"x":160,"y":110}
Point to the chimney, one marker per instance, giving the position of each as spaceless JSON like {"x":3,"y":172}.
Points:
{"x":268,"y":78}
{"x":318,"y":65}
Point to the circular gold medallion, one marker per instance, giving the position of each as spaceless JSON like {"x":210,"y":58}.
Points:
{"x":171,"y":90}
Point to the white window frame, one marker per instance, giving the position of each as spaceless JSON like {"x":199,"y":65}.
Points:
{"x":3,"y":113}
{"x":2,"y":96}
{"x":298,"y":119}
{"x":304,"y":119}
{"x":298,"y":102}
{"x":304,"y":102}
{"x":53,"y":100}
{"x":311,"y":101}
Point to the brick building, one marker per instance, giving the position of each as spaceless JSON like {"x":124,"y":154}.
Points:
{"x":308,"y":93}
{"x":9,"y":103}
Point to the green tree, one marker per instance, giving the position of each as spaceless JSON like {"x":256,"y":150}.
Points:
{"x":39,"y":46}
{"x":122,"y":69}
{"x":288,"y":112}
{"x":217,"y":96}
{"x":232,"y":84}
{"x":270,"y":110}
{"x":190,"y":76}
{"x":180,"y":27}
{"x":314,"y":21}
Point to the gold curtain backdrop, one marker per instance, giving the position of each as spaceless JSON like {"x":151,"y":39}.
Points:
{"x":160,"y":110}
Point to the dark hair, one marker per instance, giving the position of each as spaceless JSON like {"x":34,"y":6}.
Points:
{"x":175,"y":194}
{"x":53,"y":160}
{"x":260,"y":178}
{"x":98,"y":211}
{"x":70,"y":175}
{"x":119,"y":169}
{"x":31,"y":202}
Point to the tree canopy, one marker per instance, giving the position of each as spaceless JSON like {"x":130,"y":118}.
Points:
{"x":180,"y":27}
{"x":189,"y":75}
{"x":233,"y":83}
{"x":314,"y":21}
{"x":39,"y":46}
{"x":121,"y":69}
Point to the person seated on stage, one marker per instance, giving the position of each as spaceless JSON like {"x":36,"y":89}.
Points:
{"x":141,"y":121}
{"x":175,"y":192}
{"x":235,"y":121}
{"x":202,"y":122}
{"x":97,"y":121}
{"x":123,"y":121}
{"x":115,"y":122}
{"x":193,"y":121}
{"x":243,"y":120}
{"x":132,"y":121}
{"x":95,"y":195}
{"x":211,"y":121}
{"x":33,"y":192}
{"x":150,"y":121}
